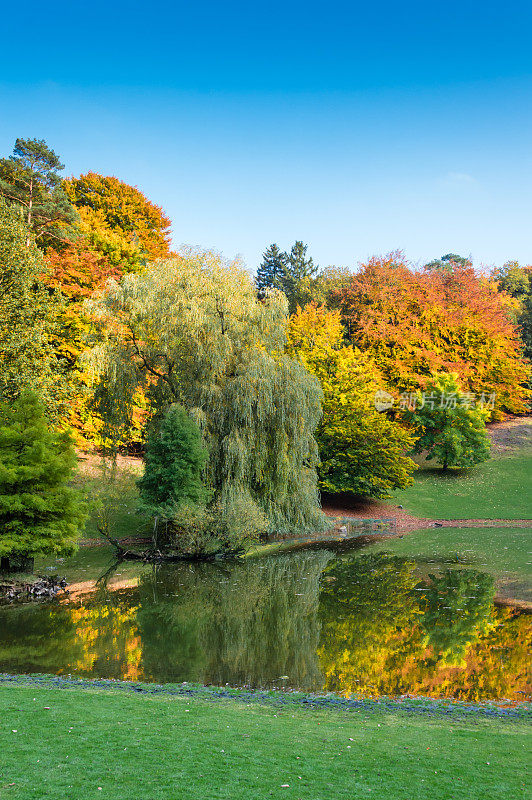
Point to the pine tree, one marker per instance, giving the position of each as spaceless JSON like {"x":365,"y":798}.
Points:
{"x":449,"y":262}
{"x":30,"y":180}
{"x":175,"y":458}
{"x":299,"y":274}
{"x":39,"y":512}
{"x":272,"y":272}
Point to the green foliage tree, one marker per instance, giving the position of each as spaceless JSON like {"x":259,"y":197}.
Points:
{"x":450,"y":430}
{"x":300,"y":272}
{"x":30,"y":180}
{"x":30,"y":318}
{"x":271,"y":273}
{"x":39,"y":512}
{"x":192,"y":331}
{"x":449,"y":262}
{"x":175,"y":458}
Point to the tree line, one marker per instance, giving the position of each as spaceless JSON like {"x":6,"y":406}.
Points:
{"x":249,"y":395}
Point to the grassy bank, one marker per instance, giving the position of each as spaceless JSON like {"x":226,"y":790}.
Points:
{"x":84,"y":743}
{"x":499,"y":489}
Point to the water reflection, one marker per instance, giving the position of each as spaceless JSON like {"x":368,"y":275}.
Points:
{"x":354,"y":623}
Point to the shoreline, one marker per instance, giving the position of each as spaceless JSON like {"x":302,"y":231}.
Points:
{"x":407,"y":704}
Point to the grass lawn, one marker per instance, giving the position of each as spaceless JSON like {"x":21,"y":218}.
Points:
{"x":499,"y":489}
{"x":79,"y":744}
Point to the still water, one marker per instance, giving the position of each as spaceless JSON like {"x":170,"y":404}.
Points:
{"x":357,"y":621}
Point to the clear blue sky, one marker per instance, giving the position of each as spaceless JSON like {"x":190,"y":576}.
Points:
{"x":359,"y":128}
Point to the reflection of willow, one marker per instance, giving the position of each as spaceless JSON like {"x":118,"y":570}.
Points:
{"x":384,"y":633}
{"x":250,"y":623}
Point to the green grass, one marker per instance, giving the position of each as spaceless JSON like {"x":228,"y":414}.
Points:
{"x":501,"y":488}
{"x":83,"y":744}
{"x":504,"y":552}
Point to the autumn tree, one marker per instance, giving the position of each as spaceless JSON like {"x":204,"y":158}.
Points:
{"x":30,"y":181}
{"x":415,"y":323}
{"x":192,"y":331}
{"x":119,"y":221}
{"x":449,"y":427}
{"x":361,"y":451}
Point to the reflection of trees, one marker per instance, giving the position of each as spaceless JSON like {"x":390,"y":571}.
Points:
{"x":383,"y":633}
{"x":98,"y":637}
{"x":37,"y":637}
{"x":368,"y":611}
{"x":457,"y":611}
{"x":363,"y":624}
{"x":250,"y":623}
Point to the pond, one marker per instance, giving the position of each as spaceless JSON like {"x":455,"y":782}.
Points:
{"x":432,"y":613}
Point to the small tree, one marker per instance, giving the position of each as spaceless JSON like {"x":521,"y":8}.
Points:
{"x":39,"y":512}
{"x":449,"y":427}
{"x":175,"y":458}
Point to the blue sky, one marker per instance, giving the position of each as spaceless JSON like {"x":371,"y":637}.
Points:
{"x":359,"y":129}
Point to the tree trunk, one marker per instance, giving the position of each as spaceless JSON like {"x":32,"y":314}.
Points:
{"x":17,"y":562}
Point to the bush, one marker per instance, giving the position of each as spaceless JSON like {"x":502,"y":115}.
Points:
{"x":195,"y":530}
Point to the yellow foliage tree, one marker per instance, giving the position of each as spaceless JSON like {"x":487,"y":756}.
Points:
{"x":361,"y":451}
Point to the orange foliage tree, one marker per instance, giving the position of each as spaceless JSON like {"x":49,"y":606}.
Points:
{"x":107,"y":205}
{"x":415,"y":323}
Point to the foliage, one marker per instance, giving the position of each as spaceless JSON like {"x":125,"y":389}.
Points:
{"x":448,"y":430}
{"x":118,"y":220}
{"x":300,"y":271}
{"x":449,"y":262}
{"x":175,"y":458}
{"x":361,"y":451}
{"x":39,"y":512}
{"x":416,"y":323}
{"x":30,"y":315}
{"x":30,"y":180}
{"x":516,"y":281}
{"x":192,"y":331}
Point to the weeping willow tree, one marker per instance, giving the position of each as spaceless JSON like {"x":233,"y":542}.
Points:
{"x":191,"y":330}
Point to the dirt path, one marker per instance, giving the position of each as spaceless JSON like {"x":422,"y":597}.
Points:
{"x":405,"y":522}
